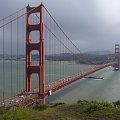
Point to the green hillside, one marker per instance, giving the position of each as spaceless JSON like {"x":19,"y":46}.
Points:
{"x":83,"y":110}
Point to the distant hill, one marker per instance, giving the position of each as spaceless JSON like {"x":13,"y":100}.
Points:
{"x":99,"y":52}
{"x":97,"y":57}
{"x":92,"y":57}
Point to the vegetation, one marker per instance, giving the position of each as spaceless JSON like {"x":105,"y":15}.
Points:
{"x":83,"y":110}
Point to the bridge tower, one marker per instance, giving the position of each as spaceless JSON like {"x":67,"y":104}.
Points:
{"x":117,"y":57}
{"x":40,"y":69}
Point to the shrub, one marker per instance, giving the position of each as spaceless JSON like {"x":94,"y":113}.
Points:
{"x":93,"y":108}
{"x":83,"y":102}
{"x":97,"y":106}
{"x":57,"y":104}
{"x":2,"y":109}
{"x":117,"y":103}
{"x":40,"y":107}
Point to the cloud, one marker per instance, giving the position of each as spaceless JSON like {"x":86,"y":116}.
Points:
{"x":91,"y":24}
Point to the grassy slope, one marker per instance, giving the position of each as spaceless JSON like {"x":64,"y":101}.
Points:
{"x":79,"y":111}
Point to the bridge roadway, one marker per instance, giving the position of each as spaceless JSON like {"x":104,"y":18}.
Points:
{"x":27,"y":98}
{"x":66,"y":81}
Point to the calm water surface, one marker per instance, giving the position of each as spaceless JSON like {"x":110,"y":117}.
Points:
{"x":107,"y":89}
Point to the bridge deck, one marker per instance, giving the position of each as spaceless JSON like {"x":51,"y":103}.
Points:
{"x":31,"y":97}
{"x":71,"y":79}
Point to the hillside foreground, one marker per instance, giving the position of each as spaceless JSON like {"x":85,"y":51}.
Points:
{"x":83,"y":110}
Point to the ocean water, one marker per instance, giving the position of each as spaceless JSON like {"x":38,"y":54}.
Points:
{"x":107,"y":89}
{"x":12,"y":81}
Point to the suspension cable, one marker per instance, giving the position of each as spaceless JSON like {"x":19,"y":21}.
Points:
{"x":56,"y":37}
{"x":18,"y":17}
{"x":73,"y":54}
{"x":66,"y":35}
{"x":12,"y":14}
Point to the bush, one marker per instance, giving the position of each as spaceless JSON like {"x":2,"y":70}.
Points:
{"x":40,"y":107}
{"x":93,"y":108}
{"x":2,"y":109}
{"x":117,"y":103}
{"x":106,"y":104}
{"x":83,"y":102}
{"x":97,"y":106}
{"x":57,"y":104}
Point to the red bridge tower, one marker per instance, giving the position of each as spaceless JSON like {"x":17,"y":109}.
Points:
{"x":40,"y":69}
{"x":117,"y":57}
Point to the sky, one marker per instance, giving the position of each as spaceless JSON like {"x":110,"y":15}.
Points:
{"x":92,"y":25}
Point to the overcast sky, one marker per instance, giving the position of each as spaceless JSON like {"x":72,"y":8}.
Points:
{"x":91,"y":24}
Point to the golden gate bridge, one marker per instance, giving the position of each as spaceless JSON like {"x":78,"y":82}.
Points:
{"x":28,"y":36}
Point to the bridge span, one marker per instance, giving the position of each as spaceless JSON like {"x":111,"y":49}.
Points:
{"x":39,"y":38}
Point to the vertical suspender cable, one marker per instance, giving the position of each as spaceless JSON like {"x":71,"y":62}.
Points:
{"x":63,"y":58}
{"x":52,"y":49}
{"x":17,"y":56}
{"x":23,"y":65}
{"x":3,"y":65}
{"x":54,"y":43}
{"x":60,"y":53}
{"x":74,"y":61}
{"x":11,"y":60}
{"x":46,"y":47}
{"x":51,"y":67}
{"x":59,"y":61}
{"x":60,"y":56}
